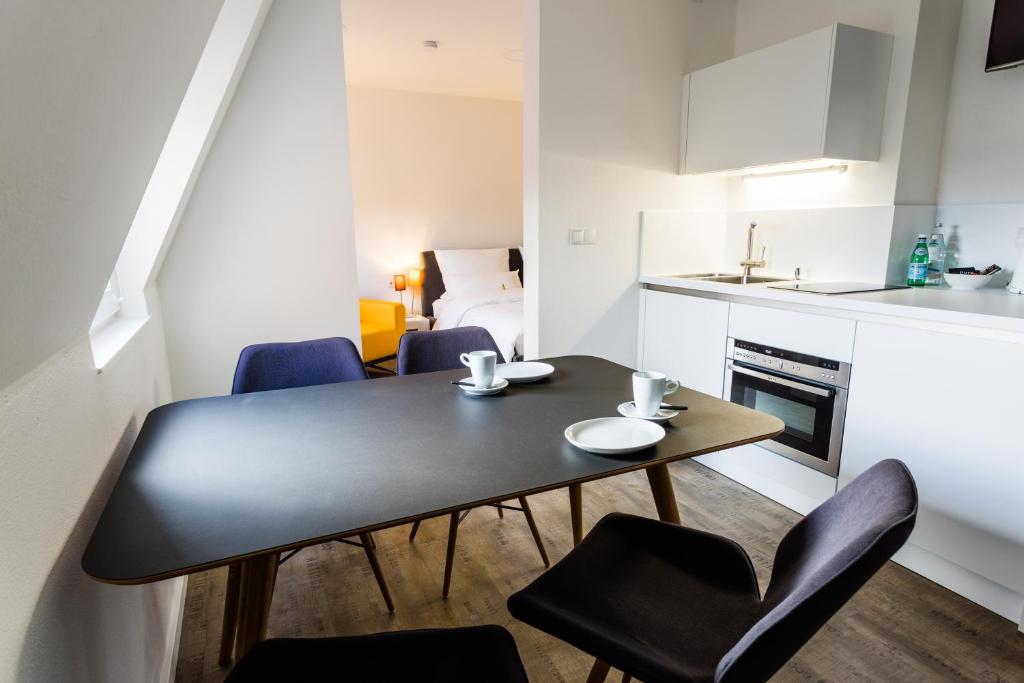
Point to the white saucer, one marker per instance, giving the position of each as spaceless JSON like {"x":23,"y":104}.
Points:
{"x":498,"y":385}
{"x":610,"y":435}
{"x":663,"y":415}
{"x":523,"y":371}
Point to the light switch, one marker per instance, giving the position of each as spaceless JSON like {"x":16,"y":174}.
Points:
{"x":582,"y":236}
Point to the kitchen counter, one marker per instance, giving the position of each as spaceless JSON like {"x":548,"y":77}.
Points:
{"x":988,"y":308}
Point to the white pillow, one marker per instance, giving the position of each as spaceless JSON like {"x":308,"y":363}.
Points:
{"x":474,"y":283}
{"x":460,"y":261}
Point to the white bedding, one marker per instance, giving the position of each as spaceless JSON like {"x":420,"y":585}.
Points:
{"x":500,"y":313}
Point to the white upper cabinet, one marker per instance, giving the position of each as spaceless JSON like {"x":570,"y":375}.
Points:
{"x":819,"y":96}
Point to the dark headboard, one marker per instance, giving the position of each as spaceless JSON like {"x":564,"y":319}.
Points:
{"x":433,"y":283}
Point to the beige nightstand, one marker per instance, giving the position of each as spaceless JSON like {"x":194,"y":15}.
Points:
{"x":417,"y":323}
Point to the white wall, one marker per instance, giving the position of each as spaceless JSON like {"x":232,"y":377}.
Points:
{"x":90,"y":90}
{"x":89,"y":93}
{"x":981,"y":189}
{"x":181,"y":159}
{"x":983,"y":148}
{"x":431,"y":172}
{"x":607,"y":106}
{"x":64,"y":433}
{"x":265,"y":249}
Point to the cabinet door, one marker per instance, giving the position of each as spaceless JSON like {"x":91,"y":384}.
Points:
{"x":684,"y":337}
{"x":765,"y":107}
{"x":949,"y":407}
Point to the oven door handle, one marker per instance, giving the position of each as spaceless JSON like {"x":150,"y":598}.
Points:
{"x":809,"y":388}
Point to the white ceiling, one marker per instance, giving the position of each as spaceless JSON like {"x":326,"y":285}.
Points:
{"x":384,"y":46}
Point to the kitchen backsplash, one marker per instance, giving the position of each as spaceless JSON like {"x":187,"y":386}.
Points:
{"x":847,"y":243}
{"x":867,"y":243}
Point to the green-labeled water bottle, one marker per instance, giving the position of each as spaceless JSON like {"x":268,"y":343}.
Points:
{"x":917,"y":271}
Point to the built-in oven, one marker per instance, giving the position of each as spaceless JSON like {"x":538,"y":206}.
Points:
{"x":807,"y":393}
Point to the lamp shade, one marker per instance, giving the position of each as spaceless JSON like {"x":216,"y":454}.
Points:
{"x":399,"y":283}
{"x":416,"y":277}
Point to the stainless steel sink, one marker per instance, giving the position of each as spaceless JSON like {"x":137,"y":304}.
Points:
{"x":731,"y":278}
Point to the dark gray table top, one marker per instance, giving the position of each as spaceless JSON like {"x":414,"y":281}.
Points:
{"x":210,"y":481}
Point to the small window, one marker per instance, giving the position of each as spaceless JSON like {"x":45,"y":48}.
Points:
{"x":110,"y":304}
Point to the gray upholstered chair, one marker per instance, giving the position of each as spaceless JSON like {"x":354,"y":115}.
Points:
{"x":665,"y":603}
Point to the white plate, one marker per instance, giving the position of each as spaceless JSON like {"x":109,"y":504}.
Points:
{"x":497,"y":386}
{"x":663,"y":415}
{"x":523,"y":371}
{"x":609,"y":435}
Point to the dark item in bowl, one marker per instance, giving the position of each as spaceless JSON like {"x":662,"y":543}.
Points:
{"x":974,"y":271}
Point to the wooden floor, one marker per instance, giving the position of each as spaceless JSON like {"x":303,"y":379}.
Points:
{"x":900,"y":627}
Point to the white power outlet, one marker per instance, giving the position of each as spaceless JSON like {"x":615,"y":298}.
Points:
{"x":582,"y":236}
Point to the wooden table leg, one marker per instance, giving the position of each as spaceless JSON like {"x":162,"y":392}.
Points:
{"x":664,"y":497}
{"x":230,"y":623}
{"x":449,"y":560}
{"x":534,"y":530}
{"x":599,"y":672}
{"x":576,"y":512}
{"x":370,"y":548}
{"x":255,"y":591}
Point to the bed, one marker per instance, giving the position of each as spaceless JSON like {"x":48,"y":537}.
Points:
{"x":485,"y":297}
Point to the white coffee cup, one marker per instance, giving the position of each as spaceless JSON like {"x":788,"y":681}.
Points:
{"x":648,"y":390}
{"x":481,"y":364}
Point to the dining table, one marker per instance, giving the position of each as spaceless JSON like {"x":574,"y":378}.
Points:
{"x":241,"y":479}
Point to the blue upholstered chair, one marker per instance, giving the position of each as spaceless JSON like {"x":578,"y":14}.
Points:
{"x":451,"y":655}
{"x":440,"y":350}
{"x":266,"y":367}
{"x":664,"y":603}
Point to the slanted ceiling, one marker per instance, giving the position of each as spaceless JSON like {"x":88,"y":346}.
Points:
{"x":90,"y":90}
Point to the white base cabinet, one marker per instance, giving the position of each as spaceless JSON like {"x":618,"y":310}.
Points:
{"x":787,"y":482}
{"x":948,"y":404}
{"x":684,"y":337}
{"x":950,"y":407}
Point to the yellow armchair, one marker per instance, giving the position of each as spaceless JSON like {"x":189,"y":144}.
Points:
{"x":381,"y":325}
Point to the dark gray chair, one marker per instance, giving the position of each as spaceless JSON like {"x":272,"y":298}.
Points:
{"x":664,"y":603}
{"x":454,"y":655}
{"x":440,"y":350}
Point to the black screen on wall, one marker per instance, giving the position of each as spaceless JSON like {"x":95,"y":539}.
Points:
{"x":1006,"y":42}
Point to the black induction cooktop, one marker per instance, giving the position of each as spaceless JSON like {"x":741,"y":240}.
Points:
{"x":829,"y":288}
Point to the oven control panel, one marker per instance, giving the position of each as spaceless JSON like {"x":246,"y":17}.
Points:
{"x":757,"y":359}
{"x":792,"y":363}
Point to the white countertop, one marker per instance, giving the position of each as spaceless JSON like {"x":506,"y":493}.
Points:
{"x":991,"y":308}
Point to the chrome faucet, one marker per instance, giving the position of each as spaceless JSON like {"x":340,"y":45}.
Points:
{"x":749,"y":263}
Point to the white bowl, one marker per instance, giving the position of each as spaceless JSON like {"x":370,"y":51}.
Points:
{"x":964,"y":281}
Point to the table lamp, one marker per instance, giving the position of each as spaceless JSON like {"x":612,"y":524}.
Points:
{"x":415,"y":280}
{"x":399,"y":281}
